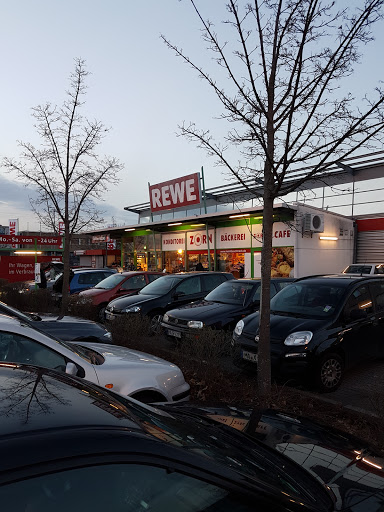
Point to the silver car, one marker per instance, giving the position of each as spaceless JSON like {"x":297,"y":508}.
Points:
{"x":131,"y":373}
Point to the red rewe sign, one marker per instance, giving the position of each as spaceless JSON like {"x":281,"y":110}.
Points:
{"x":183,"y":191}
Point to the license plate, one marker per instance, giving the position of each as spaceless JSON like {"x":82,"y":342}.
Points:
{"x":249,"y":356}
{"x":176,"y":334}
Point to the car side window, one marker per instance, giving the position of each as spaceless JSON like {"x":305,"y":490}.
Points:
{"x":131,"y":487}
{"x":359,"y":304}
{"x":211,"y":281}
{"x":378,"y":294}
{"x":189,"y":286}
{"x":18,"y":349}
{"x":134,"y":283}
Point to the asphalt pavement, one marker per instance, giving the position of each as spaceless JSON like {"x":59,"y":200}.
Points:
{"x":362,"y":389}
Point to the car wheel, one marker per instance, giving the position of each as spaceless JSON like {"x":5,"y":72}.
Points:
{"x":329,"y":373}
{"x":101,"y":313}
{"x":154,"y":326}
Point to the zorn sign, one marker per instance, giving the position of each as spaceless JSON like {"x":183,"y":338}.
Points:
{"x":183,"y":191}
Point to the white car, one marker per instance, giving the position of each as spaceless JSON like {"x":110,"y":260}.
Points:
{"x":364,"y":269}
{"x":131,"y":373}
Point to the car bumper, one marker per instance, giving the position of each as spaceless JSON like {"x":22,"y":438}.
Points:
{"x":285,"y":363}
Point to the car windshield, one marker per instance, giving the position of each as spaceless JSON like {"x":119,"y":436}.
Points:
{"x":308,"y":299}
{"x":111,"y":281}
{"x":160,"y":286}
{"x":232,"y":292}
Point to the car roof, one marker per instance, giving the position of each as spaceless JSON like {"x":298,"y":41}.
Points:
{"x":62,"y":390}
{"x":111,"y":270}
{"x":182,"y":275}
{"x":340,"y":279}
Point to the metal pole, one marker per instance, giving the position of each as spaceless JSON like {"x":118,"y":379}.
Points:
{"x":206,"y":224}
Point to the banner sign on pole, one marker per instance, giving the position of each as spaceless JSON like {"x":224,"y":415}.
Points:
{"x":30,"y":240}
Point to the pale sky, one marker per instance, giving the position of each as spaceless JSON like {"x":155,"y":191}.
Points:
{"x":137,"y":87}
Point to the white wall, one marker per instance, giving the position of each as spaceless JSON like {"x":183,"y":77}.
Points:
{"x":315,"y":256}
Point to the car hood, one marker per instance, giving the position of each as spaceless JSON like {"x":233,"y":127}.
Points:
{"x":282,"y":325}
{"x":206,"y":311}
{"x":125,"y":302}
{"x":71,"y":328}
{"x":347,"y":465}
{"x":130,"y":370}
{"x":92,"y":292}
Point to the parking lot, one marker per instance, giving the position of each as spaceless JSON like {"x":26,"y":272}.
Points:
{"x":362,"y":388}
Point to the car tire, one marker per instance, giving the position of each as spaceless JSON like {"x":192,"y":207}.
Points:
{"x":101,"y":313}
{"x":154,"y":326}
{"x":329,"y":373}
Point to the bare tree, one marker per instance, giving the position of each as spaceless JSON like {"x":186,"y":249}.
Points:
{"x":283,"y":91}
{"x":66,"y":171}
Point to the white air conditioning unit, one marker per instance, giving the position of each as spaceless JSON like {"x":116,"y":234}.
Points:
{"x":313,"y":222}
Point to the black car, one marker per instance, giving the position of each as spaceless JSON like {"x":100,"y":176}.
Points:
{"x":222,"y":308}
{"x":319,"y":326}
{"x":350,"y":466}
{"x":68,"y":445}
{"x":169,"y":292}
{"x":68,"y":328}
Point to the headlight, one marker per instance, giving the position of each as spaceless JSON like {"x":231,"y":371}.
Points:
{"x":165,"y":318}
{"x":108,"y":335}
{"x":299,"y":338}
{"x":195,"y":324}
{"x":132,"y":309}
{"x":239,"y":327}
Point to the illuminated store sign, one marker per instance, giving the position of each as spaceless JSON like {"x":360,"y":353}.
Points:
{"x":184,"y":191}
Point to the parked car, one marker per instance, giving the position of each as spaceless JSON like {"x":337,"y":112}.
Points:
{"x":131,"y":373}
{"x":365,"y":269}
{"x":222,"y":308}
{"x":66,"y":445}
{"x":319,"y":327}
{"x":117,"y":285}
{"x":67,"y":328}
{"x":170,"y":291}
{"x":340,"y":461}
{"x":81,"y":279}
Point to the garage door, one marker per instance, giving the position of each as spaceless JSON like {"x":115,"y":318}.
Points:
{"x":370,"y":247}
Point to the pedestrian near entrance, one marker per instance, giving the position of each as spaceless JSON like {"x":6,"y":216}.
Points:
{"x":199,"y":266}
{"x":43,"y":278}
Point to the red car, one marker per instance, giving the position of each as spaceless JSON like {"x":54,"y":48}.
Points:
{"x":116,"y":285}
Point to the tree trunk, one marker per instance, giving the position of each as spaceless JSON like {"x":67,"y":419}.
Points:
{"x":65,"y":289}
{"x":264,"y":349}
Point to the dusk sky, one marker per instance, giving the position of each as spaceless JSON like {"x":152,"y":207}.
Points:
{"x":137,"y":87}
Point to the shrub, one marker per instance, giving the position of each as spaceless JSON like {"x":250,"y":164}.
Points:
{"x":79,"y":305}
{"x":39,"y":301}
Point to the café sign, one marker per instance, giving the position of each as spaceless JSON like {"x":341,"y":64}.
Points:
{"x":184,"y":191}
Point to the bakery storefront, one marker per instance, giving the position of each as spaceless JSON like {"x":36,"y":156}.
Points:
{"x":176,"y":233}
{"x":231,"y":248}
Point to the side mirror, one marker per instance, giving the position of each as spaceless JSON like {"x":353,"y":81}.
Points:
{"x":177,"y":295}
{"x":71,"y":368}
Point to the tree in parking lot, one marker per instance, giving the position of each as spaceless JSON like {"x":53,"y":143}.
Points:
{"x":66,"y":170}
{"x":282,"y":84}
